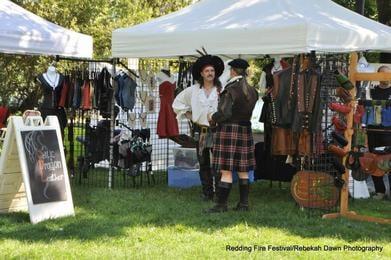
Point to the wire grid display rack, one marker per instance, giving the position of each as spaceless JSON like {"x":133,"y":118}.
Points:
{"x":87,"y":170}
{"x":325,"y":188}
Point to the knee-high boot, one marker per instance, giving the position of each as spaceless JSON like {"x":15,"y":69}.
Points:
{"x":223,"y":191}
{"x":207,"y":183}
{"x":244,"y":188}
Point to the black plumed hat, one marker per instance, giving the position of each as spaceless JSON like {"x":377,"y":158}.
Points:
{"x":206,"y":60}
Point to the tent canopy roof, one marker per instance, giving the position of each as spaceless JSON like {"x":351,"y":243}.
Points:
{"x":252,"y":27}
{"x":22,"y":32}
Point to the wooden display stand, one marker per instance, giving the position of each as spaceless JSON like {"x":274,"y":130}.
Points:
{"x":355,"y":76}
{"x":33,"y":172}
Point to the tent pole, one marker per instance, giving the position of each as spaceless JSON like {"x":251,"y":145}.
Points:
{"x":58,"y":58}
{"x":112,"y":127}
{"x":360,"y":6}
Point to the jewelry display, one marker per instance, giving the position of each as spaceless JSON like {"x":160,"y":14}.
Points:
{"x":150,"y":106}
{"x":143,"y":95}
{"x":143,"y":119}
{"x":132,"y":117}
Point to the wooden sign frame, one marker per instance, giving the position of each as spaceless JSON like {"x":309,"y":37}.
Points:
{"x":33,"y":170}
{"x":355,"y":76}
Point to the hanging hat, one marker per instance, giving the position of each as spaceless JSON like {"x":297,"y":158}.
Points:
{"x":206,"y":60}
{"x":239,"y":63}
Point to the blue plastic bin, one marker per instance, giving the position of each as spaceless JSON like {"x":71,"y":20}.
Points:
{"x":183,"y":178}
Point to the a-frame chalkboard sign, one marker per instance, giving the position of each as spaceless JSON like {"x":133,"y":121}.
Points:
{"x":33,"y":172}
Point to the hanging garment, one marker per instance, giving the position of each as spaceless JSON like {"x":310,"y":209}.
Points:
{"x":51,"y":94}
{"x":64,"y":93}
{"x":105,"y":93}
{"x":369,"y":116}
{"x":71,"y":90}
{"x":125,"y":93}
{"x":96,"y":92}
{"x":4,"y":113}
{"x":386,"y":117}
{"x":92,"y":94}
{"x":167,"y":125}
{"x":77,"y":93}
{"x":378,"y":93}
{"x":378,"y":117}
{"x":282,"y":98}
{"x":308,"y":113}
{"x":86,"y":97}
{"x":282,"y":142}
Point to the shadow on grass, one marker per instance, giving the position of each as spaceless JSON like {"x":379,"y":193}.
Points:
{"x":102,"y":213}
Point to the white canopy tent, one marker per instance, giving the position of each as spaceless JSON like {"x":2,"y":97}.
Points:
{"x":22,"y":32}
{"x":251,"y":27}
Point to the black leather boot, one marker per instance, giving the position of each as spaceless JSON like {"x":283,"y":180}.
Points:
{"x":244,"y":189}
{"x":222,"y":197}
{"x":207,"y":184}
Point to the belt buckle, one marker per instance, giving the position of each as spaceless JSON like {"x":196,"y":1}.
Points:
{"x":204,"y":129}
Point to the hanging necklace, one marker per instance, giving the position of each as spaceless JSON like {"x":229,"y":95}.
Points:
{"x":143,"y":117}
{"x":132,"y":120}
{"x":143,"y":97}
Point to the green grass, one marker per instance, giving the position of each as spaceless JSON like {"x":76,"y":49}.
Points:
{"x":160,"y":223}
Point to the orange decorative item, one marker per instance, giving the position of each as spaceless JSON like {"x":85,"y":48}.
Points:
{"x":339,"y":124}
{"x":340,"y":108}
{"x":370,"y":162}
{"x":312,"y":189}
{"x":337,"y":150}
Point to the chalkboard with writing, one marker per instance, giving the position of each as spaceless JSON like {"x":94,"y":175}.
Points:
{"x":44,"y":164}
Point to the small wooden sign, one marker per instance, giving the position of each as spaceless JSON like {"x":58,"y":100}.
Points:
{"x":33,"y":172}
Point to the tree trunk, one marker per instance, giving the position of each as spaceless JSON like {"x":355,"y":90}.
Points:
{"x":384,"y":12}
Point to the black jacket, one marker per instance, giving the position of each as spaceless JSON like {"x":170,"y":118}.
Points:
{"x":234,"y":106}
{"x":51,"y":97}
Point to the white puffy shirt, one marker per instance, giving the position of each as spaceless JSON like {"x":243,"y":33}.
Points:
{"x":194,"y":99}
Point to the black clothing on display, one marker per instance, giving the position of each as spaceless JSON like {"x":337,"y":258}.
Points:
{"x":378,"y":93}
{"x":51,"y":95}
{"x":51,"y":100}
{"x":104,"y":92}
{"x":284,"y":105}
{"x":271,"y":167}
{"x":379,"y":184}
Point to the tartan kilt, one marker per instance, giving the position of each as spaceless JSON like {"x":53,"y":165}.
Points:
{"x":233,"y":148}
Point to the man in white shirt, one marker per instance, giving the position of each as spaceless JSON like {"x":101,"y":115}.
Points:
{"x":196,"y":103}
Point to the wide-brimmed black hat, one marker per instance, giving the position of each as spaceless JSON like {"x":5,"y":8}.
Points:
{"x":239,"y":63}
{"x":205,"y":60}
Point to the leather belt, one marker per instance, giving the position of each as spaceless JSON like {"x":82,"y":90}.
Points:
{"x":201,"y":128}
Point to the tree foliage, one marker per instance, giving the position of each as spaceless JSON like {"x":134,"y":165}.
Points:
{"x":99,"y":18}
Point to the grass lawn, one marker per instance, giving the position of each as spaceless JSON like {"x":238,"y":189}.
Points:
{"x":160,"y":223}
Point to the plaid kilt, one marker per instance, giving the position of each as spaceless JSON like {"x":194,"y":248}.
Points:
{"x":233,"y":148}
